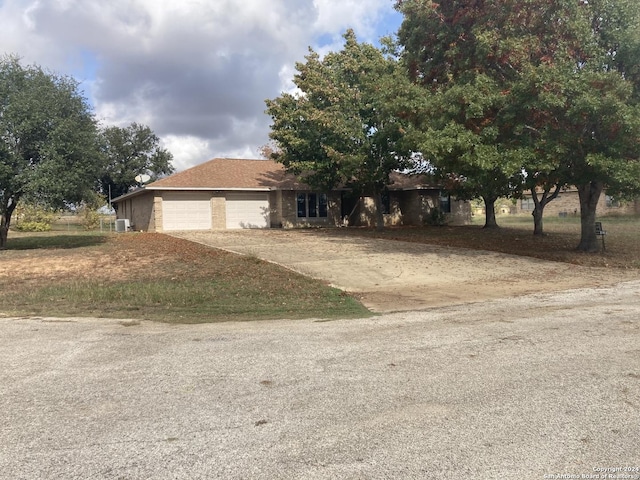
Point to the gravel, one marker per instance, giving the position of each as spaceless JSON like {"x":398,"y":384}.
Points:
{"x":523,"y":387}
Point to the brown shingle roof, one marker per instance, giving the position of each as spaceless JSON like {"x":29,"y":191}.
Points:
{"x":230,"y":173}
{"x":403,"y":181}
{"x":227,"y":173}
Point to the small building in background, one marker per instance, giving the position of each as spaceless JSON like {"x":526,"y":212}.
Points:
{"x":568,"y":203}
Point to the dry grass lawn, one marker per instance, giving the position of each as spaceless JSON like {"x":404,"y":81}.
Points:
{"x":515,"y":237}
{"x":153,"y":276}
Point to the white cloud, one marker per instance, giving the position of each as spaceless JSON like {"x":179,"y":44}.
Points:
{"x":196,"y":71}
{"x":186,"y":148}
{"x":339,"y":15}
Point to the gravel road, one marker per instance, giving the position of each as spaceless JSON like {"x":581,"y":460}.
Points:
{"x":527,"y":387}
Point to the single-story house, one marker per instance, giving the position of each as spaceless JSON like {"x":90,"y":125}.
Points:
{"x":234,"y":193}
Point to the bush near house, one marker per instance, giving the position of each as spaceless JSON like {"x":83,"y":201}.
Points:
{"x":34,"y":218}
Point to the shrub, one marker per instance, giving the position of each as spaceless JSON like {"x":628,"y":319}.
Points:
{"x":33,"y":227}
{"x":436,"y":218}
{"x":89,"y":212}
{"x":34,"y":218}
{"x":90,"y":218}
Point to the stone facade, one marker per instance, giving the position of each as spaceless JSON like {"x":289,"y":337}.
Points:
{"x":218,"y":211}
{"x":413,"y":207}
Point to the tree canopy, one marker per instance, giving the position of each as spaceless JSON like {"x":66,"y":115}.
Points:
{"x":48,"y":140}
{"x":343,"y":126}
{"x":463,"y":133}
{"x":542,"y":89}
{"x":131,"y":151}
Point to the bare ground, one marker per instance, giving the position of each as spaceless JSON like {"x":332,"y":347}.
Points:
{"x":388,"y":275}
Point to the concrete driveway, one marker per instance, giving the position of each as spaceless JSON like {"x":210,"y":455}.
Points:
{"x":392,"y":276}
{"x":534,"y":387}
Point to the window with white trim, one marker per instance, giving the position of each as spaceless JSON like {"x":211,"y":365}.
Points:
{"x":312,"y":205}
{"x":444,"y":202}
{"x":527,"y":204}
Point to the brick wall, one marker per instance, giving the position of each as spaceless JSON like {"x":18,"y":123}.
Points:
{"x":288,"y":210}
{"x":218,"y":211}
{"x":140,"y":211}
{"x":460,"y":212}
{"x":412,"y":207}
{"x":288,"y":207}
{"x":415,"y":206}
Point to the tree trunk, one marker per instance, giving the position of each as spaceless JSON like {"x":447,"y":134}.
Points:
{"x":490,"y":212}
{"x":4,"y":232}
{"x":537,"y":220}
{"x":5,"y":223}
{"x":540,"y":203}
{"x":377,"y":200}
{"x":589,"y":194}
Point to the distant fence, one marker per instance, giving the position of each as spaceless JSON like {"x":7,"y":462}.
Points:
{"x":107,"y":223}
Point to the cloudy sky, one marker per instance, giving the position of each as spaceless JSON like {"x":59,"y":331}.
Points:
{"x":196,"y":71}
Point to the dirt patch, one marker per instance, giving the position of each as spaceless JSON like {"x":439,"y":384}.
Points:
{"x":388,"y":275}
{"x":155,"y":276}
{"x":83,"y":265}
{"x":104,"y":262}
{"x":385,"y":275}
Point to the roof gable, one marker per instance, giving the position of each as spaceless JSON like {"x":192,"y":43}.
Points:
{"x":227,"y":173}
{"x":248,"y":174}
{"x":405,"y":181}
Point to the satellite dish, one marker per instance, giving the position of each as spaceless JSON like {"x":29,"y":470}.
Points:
{"x":142,"y":178}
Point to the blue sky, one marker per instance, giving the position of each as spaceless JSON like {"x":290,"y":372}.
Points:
{"x":197,"y":72}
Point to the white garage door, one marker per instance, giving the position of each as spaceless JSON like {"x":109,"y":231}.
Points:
{"x":186,"y":211}
{"x":247,"y":210}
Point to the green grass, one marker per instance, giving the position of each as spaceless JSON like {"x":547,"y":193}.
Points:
{"x":54,"y":240}
{"x":184,"y":302}
{"x":157,"y":277}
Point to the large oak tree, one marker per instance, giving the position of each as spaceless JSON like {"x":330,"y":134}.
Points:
{"x":547,"y":88}
{"x":344,"y":125}
{"x":48,"y":140}
{"x":464,"y":133}
{"x":129,"y":152}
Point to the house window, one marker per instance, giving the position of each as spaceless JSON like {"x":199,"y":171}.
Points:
{"x":386,"y":202}
{"x":445,"y":202}
{"x":302,"y":205}
{"x":312,"y":205}
{"x":612,"y":202}
{"x":527,"y":204}
{"x":323,"y":205}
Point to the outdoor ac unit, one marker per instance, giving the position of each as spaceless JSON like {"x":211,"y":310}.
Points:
{"x":122,"y":225}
